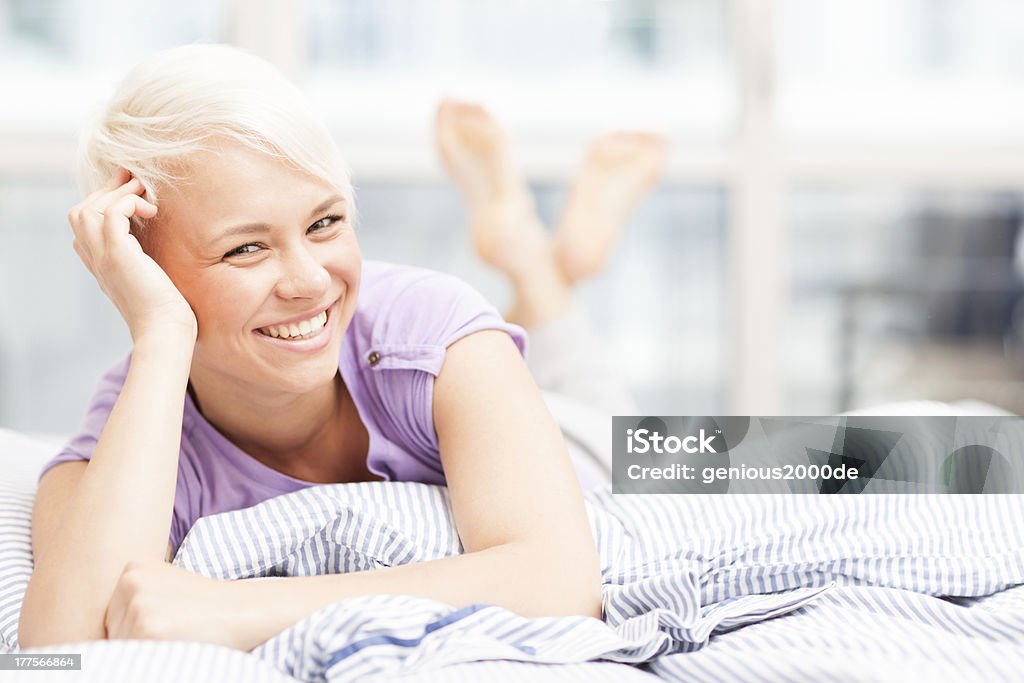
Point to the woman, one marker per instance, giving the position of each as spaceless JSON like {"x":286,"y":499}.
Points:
{"x":268,"y":357}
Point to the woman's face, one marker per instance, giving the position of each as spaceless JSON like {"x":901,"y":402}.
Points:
{"x":260,"y":251}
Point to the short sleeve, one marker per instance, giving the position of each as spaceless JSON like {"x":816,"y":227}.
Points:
{"x":435,"y":310}
{"x":416,"y":315}
{"x":82,"y":445}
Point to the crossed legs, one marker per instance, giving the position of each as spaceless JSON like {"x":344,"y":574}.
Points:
{"x":619,"y":170}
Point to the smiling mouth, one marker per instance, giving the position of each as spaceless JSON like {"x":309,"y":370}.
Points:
{"x":305,"y":329}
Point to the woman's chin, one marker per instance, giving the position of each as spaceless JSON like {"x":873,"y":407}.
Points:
{"x":306,"y":378}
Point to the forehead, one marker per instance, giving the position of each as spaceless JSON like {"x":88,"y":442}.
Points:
{"x":232,"y":184}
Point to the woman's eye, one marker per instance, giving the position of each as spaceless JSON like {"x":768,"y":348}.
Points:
{"x":320,"y":226}
{"x":325,"y":222}
{"x":243,"y":250}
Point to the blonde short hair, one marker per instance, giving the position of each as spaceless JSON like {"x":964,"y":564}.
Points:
{"x":182,"y":100}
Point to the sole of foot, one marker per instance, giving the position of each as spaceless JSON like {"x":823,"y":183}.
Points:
{"x":619,"y":170}
{"x":474,"y":150}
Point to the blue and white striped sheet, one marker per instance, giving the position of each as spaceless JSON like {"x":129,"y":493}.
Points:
{"x":860,"y":633}
{"x":124,"y":661}
{"x":889,"y":556}
{"x":681,"y":575}
{"x":152,"y":661}
{"x":15,"y":557}
{"x":21,"y":458}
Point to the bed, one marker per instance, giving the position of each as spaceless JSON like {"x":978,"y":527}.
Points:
{"x":696,"y":588}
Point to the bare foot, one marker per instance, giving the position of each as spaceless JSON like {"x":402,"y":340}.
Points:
{"x":506,"y":231}
{"x":620,"y":169}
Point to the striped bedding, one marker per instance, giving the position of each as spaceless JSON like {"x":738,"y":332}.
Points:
{"x":702,"y":588}
{"x":865,"y":586}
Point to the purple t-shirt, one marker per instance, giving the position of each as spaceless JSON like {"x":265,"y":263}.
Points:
{"x":407,"y":316}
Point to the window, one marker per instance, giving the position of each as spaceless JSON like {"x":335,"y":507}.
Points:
{"x":903,"y":294}
{"x":817,"y":241}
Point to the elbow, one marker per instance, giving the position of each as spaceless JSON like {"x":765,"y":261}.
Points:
{"x":576,"y":593}
{"x":31,"y":633}
{"x":568,"y":588}
{"x":32,"y":636}
{"x":595,"y":606}
{"x":590,"y":597}
{"x":582,"y":599}
{"x":40,"y":628}
{"x":28,"y":640}
{"x":588,"y":603}
{"x":562,"y":579}
{"x":585,"y":582}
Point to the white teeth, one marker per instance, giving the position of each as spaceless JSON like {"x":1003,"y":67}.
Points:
{"x":301,"y":329}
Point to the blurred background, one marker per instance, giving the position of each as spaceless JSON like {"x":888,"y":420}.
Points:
{"x":839,"y":224}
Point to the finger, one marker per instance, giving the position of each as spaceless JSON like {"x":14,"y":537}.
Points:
{"x":133,"y":186}
{"x":79,"y":216}
{"x":115,"y":216}
{"x":119,"y":177}
{"x":87,"y":223}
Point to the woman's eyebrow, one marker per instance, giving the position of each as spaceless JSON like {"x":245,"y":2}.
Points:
{"x":263,"y":227}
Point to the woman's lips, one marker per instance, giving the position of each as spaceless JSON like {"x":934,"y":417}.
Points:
{"x":294,"y":331}
{"x":315,"y":342}
{"x":306,"y":317}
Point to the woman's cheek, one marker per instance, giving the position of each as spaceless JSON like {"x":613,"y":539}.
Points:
{"x":230,"y":302}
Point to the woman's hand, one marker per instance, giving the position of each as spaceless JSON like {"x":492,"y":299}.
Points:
{"x":158,"y":601}
{"x":143,"y":293}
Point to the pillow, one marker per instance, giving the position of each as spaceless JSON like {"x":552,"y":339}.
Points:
{"x":21,"y":459}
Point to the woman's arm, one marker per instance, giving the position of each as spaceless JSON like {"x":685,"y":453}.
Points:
{"x":516,"y":502}
{"x":533,"y":580}
{"x":510,"y":479}
{"x":120,"y":508}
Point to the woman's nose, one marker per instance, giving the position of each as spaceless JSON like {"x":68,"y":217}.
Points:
{"x":303,"y":276}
